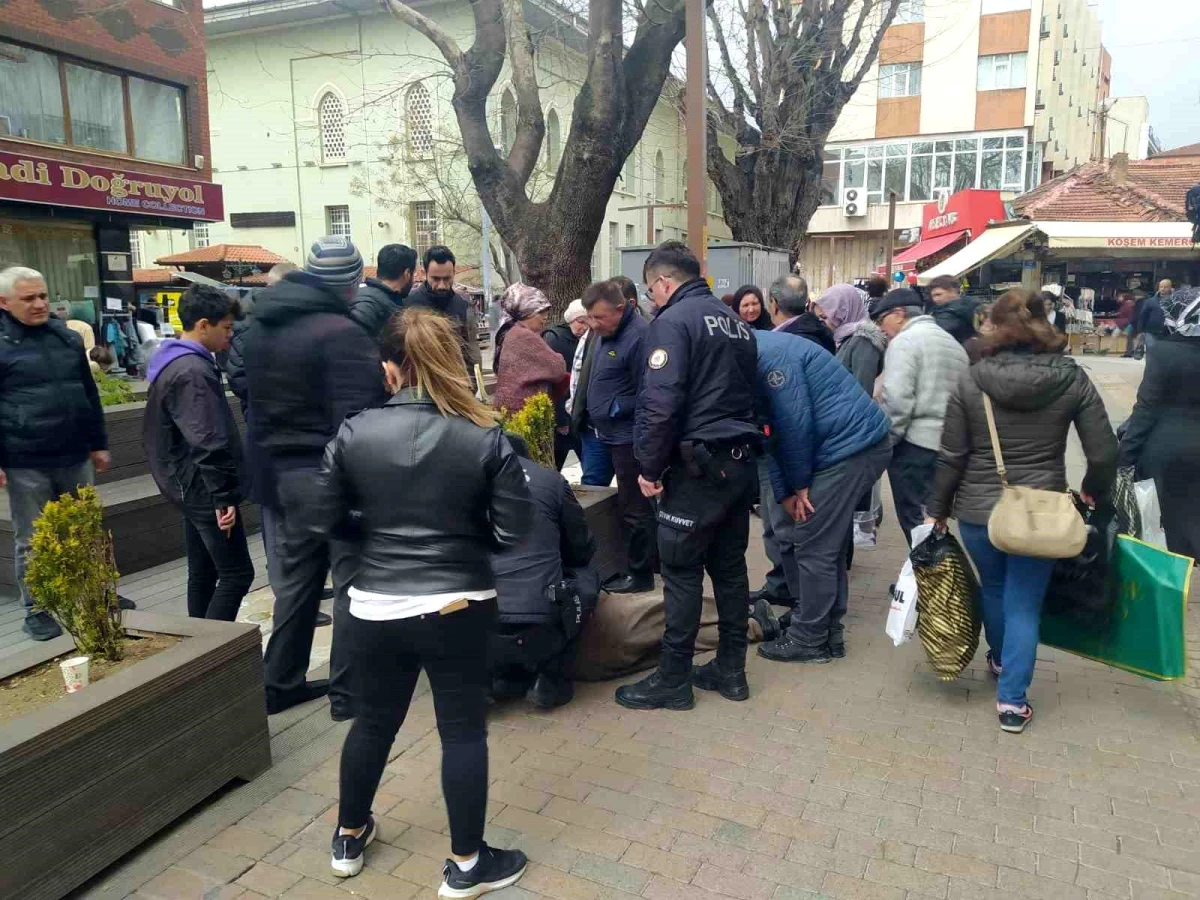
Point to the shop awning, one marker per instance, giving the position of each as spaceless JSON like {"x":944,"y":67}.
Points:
{"x":1117,"y":235}
{"x":910,"y":256}
{"x":994,"y":242}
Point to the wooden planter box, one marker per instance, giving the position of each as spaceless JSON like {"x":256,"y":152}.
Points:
{"x":92,"y":776}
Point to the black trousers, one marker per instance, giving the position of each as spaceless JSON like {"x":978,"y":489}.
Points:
{"x":910,"y":473}
{"x":563,"y":445}
{"x":386,"y":658}
{"x":637,"y":515}
{"x":704,"y":525}
{"x":220,"y":571}
{"x":520,"y":653}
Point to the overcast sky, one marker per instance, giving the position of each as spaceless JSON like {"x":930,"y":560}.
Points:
{"x":1155,"y":45}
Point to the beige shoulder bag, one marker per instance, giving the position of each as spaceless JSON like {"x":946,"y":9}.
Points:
{"x":1028,"y":521}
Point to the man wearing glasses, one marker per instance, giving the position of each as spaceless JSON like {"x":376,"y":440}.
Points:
{"x":922,"y":365}
{"x":51,"y":424}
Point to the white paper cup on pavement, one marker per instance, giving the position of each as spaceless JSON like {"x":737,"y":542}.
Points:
{"x":75,"y":673}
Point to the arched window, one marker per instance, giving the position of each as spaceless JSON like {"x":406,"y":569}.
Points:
{"x":508,"y":121}
{"x":331,"y":114}
{"x":418,"y":113}
{"x":553,"y":137}
{"x":660,"y":176}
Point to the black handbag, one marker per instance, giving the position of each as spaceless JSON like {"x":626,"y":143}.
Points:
{"x":1078,"y":588}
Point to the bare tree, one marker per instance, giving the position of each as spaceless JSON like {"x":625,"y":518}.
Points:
{"x":553,"y":238}
{"x":784,"y":70}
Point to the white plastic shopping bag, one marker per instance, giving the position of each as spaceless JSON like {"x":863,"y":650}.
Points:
{"x":1147,"y":501}
{"x":902,"y":616}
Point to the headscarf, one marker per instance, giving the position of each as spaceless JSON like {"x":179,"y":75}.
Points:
{"x":1182,"y":312}
{"x":844,"y":306}
{"x":520,"y":301}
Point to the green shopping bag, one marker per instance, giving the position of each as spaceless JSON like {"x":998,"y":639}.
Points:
{"x":1146,"y":635}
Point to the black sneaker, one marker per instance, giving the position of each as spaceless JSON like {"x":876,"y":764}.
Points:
{"x":347,"y":859}
{"x":1015,"y":722}
{"x":837,"y":650}
{"x":125,"y":602}
{"x":653,"y":693}
{"x":41,"y":626}
{"x":711,"y":677}
{"x":786,"y":649}
{"x":495,"y":869}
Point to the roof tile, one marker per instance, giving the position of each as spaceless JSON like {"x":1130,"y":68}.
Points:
{"x":1154,"y":192}
{"x":218,"y":253}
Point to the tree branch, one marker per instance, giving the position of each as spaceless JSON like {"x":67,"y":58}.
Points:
{"x":437,"y":35}
{"x":731,"y":72}
{"x":531,"y":126}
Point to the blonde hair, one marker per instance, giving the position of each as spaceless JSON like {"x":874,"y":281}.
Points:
{"x":427,"y":350}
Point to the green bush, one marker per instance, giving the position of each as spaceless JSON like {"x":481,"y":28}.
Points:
{"x":113,"y":390}
{"x":72,"y":574}
{"x":536,"y":424}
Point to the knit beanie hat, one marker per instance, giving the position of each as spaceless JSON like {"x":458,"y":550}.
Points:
{"x":336,"y":261}
{"x":575,"y":310}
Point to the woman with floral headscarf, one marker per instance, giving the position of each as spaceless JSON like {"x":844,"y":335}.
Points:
{"x":1164,"y":430}
{"x":528,"y":365}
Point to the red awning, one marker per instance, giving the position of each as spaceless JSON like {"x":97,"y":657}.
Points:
{"x":907,"y":258}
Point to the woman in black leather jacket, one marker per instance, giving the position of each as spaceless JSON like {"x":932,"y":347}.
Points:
{"x":439,"y":489}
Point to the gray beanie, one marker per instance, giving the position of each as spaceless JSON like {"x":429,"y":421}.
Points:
{"x":336,"y":261}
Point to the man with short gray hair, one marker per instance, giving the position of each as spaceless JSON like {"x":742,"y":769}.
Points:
{"x":52,"y":437}
{"x":922,"y":365}
{"x":788,"y":304}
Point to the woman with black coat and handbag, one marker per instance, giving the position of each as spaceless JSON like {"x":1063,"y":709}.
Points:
{"x":439,"y":489}
{"x":1163,"y":433}
{"x":1036,"y":394}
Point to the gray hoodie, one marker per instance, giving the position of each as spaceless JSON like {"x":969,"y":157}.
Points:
{"x":922,"y":365}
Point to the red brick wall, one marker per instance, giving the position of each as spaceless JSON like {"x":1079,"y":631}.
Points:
{"x":139,"y":36}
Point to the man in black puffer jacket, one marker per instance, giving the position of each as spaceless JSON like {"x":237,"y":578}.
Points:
{"x":380,"y":297}
{"x":234,"y":362}
{"x":51,"y":423}
{"x":437,"y":293}
{"x":308,"y":366}
{"x":546,"y":592}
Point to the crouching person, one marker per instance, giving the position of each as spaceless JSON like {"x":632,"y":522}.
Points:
{"x":546,"y":592}
{"x":829,"y":444}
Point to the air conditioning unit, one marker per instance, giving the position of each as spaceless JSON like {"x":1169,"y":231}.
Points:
{"x":854,"y":203}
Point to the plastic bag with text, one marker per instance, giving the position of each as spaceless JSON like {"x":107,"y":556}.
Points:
{"x":1151,"y":515}
{"x":902,"y":616}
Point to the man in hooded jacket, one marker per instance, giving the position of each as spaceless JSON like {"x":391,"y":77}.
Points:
{"x":308,"y":366}
{"x":384,"y":295}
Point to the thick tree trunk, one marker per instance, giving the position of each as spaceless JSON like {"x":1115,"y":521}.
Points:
{"x":784,"y":192}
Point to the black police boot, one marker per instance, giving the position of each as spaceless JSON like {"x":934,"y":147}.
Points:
{"x":731,"y":684}
{"x":656,"y":692}
{"x":771,"y":598}
{"x":786,"y":649}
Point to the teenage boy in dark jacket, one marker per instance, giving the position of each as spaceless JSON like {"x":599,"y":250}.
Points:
{"x":396,"y":265}
{"x":51,"y":423}
{"x":195,"y":453}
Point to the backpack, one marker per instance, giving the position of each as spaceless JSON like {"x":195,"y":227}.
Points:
{"x":1192,"y":206}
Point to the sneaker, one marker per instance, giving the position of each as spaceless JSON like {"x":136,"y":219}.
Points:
{"x":711,"y":677}
{"x":993,"y":669}
{"x":786,"y":649}
{"x":653,"y":693}
{"x":1014,"y":722}
{"x":495,"y":869}
{"x":41,"y":626}
{"x":837,"y":649}
{"x":125,"y":602}
{"x":347,"y":859}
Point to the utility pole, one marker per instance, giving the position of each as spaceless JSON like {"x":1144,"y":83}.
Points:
{"x":697,"y":133}
{"x":891,"y":233}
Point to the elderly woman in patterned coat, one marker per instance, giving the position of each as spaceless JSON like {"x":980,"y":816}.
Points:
{"x":524,"y":363}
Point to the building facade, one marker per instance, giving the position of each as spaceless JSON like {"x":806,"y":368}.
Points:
{"x":1125,"y":128}
{"x":966,"y":94}
{"x":103,"y":130}
{"x":336,"y":118}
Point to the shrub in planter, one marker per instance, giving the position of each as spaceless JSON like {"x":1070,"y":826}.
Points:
{"x":72,"y":575}
{"x":113,"y":390}
{"x":535,"y":423}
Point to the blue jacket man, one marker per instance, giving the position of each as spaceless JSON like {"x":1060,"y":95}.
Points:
{"x":617,"y":367}
{"x":828,"y":445}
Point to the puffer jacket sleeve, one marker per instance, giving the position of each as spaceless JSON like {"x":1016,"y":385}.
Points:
{"x":510,"y":506}
{"x":954,"y":453}
{"x":782,"y":380}
{"x":901,"y":370}
{"x":1096,"y":435}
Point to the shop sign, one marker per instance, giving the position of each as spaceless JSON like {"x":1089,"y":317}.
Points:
{"x":971,"y":210}
{"x":29,"y":179}
{"x":1119,"y":242}
{"x":1147,"y":242}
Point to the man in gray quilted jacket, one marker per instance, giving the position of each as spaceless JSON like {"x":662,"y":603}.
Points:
{"x":922,"y":364}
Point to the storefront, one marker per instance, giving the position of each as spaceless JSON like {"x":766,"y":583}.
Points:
{"x":71,"y":222}
{"x":948,"y":225}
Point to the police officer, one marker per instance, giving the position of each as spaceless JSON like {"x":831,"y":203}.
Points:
{"x":695,"y":440}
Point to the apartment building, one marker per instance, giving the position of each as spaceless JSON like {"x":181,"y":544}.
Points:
{"x":103,"y":130}
{"x":990,"y":94}
{"x":330,"y":116}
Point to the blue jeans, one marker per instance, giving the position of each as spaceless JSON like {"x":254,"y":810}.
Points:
{"x":596,"y":460}
{"x":1012,"y":589}
{"x":29,"y":490}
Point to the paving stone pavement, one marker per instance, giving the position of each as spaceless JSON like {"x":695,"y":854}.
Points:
{"x":864,"y":779}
